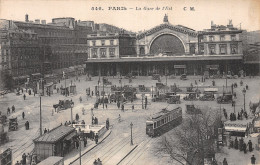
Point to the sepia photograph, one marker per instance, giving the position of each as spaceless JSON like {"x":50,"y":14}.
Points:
{"x":127,"y":82}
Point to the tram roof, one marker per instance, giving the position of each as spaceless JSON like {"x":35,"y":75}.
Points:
{"x":163,"y":112}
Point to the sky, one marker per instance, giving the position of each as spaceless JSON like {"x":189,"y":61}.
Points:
{"x":246,"y":12}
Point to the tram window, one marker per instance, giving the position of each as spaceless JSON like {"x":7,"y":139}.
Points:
{"x":154,"y":125}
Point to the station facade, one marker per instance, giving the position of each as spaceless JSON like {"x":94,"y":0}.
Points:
{"x":168,"y":50}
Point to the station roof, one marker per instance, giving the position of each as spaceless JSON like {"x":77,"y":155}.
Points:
{"x":55,"y":134}
{"x":168,"y":58}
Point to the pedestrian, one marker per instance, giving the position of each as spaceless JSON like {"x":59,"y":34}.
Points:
{"x":77,"y":117}
{"x":107,"y":124}
{"x":99,"y":162}
{"x":96,"y":138}
{"x":23,"y":115}
{"x":82,"y":122}
{"x":85,"y":141}
{"x":133,"y":107}
{"x":253,"y":159}
{"x":246,"y":87}
{"x":24,"y":158}
{"x":66,"y":123}
{"x":119,"y":118}
{"x":8,"y":110}
{"x":93,"y":119}
{"x":236,"y":143}
{"x":77,"y":144}
{"x":225,"y":114}
{"x":250,"y":148}
{"x":196,"y":82}
{"x":244,"y":148}
{"x":241,"y":142}
{"x":96,"y":120}
{"x":24,"y":97}
{"x":118,"y":104}
{"x":13,"y":109}
{"x":123,"y":107}
{"x":106,"y":106}
{"x":225,"y":161}
{"x":45,"y":131}
{"x":92,"y":93}
{"x":80,"y":99}
{"x":95,"y":162}
{"x":17,"y":163}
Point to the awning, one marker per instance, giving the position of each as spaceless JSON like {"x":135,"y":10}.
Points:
{"x":235,"y":129}
{"x":36,"y":74}
{"x":179,"y":66}
{"x":210,"y":89}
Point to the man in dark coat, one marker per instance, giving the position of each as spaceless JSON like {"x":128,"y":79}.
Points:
{"x":24,"y":96}
{"x":85,"y":141}
{"x":8,"y":110}
{"x":225,"y":161}
{"x":253,"y":159}
{"x":24,"y":158}
{"x":13,"y":109}
{"x":241,"y":142}
{"x":23,"y":115}
{"x":96,"y":138}
{"x":250,"y":146}
{"x":118,"y":104}
{"x":77,"y":144}
{"x":244,"y":148}
{"x":236,"y":143}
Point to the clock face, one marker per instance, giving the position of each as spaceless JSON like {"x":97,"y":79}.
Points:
{"x":167,"y":44}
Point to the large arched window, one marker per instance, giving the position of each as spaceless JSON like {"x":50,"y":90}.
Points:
{"x":167,"y":44}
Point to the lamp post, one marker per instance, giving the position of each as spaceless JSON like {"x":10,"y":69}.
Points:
{"x":71,"y":116}
{"x":152,"y":91}
{"x":40,"y":115}
{"x":131,"y":125}
{"x":244,"y":93}
{"x":80,"y":139}
{"x":234,"y":107}
{"x":103,"y":93}
{"x":142,"y":100}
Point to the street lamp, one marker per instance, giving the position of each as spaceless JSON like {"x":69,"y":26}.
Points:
{"x":103,"y":93}
{"x":244,"y":93}
{"x":131,"y":125}
{"x":81,"y":134}
{"x":152,"y":91}
{"x":71,"y":106}
{"x":234,"y":107}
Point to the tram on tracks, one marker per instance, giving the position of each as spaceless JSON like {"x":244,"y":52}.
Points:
{"x":163,"y":121}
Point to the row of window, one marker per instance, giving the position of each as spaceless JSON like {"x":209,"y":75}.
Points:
{"x":163,"y":121}
{"x":102,"y":42}
{"x":222,"y":49}
{"x":25,"y":71}
{"x":102,"y":52}
{"x":221,"y":38}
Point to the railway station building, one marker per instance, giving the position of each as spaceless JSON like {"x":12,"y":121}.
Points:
{"x":167,"y":49}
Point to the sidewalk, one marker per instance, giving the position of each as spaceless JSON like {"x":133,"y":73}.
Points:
{"x":74,"y":155}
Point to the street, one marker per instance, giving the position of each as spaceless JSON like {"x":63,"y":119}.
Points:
{"x":117,"y":145}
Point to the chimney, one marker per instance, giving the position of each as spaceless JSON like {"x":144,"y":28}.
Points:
{"x":26,"y":18}
{"x":37,"y":21}
{"x":43,"y":22}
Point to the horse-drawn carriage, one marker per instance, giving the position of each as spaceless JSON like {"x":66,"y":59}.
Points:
{"x":63,"y":104}
{"x":183,"y":77}
{"x":156,"y":77}
{"x":226,"y":98}
{"x":142,"y":88}
{"x":13,"y":124}
{"x":175,"y":99}
{"x":207,"y":96}
{"x":191,"y":96}
{"x":174,"y":88}
{"x":106,"y":82}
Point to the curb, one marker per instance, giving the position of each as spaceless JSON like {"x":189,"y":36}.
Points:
{"x":127,"y":155}
{"x":90,"y":148}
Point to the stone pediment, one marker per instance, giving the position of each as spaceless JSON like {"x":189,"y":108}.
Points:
{"x":177,"y":28}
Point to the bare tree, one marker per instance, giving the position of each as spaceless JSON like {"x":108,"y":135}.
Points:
{"x":193,"y":140}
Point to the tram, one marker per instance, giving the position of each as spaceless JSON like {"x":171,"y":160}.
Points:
{"x":163,"y":121}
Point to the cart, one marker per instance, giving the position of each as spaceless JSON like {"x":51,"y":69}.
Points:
{"x":183,"y":77}
{"x":208,"y":96}
{"x":191,"y":96}
{"x":13,"y":124}
{"x":3,"y":119}
{"x":63,"y":104}
{"x":106,"y":82}
{"x":175,"y":99}
{"x":225,"y":99}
